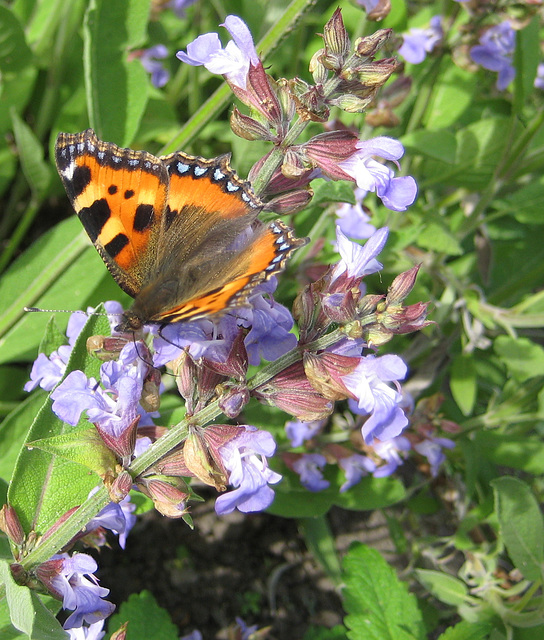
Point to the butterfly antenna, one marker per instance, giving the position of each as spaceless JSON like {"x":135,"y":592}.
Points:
{"x":93,"y":313}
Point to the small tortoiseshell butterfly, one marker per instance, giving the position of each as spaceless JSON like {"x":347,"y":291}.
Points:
{"x":178,"y":233}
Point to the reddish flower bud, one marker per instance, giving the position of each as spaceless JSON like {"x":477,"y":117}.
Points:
{"x":290,"y":202}
{"x":11,"y":526}
{"x":172,"y":464}
{"x":105,"y":347}
{"x":168,"y":494}
{"x":201,"y":453}
{"x":235,"y":366}
{"x":294,"y":163}
{"x":380,"y":11}
{"x":328,"y":149}
{"x":292,"y":392}
{"x":120,"y":487}
{"x":121,"y":633}
{"x":325,"y":371}
{"x":402,"y":285}
{"x":123,"y":444}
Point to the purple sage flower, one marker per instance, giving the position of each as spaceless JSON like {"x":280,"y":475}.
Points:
{"x":233,"y":61}
{"x":355,"y":467}
{"x":432,"y":450}
{"x":245,"y":458}
{"x":419,"y":42}
{"x":369,"y":383}
{"x":356,"y":260}
{"x":392,"y":452}
{"x":179,"y":7}
{"x":150,"y":62}
{"x":495,"y":52}
{"x":79,"y":590}
{"x":298,"y":432}
{"x":308,"y":467}
{"x":353,"y":219}
{"x":396,"y":194}
{"x":91,"y":632}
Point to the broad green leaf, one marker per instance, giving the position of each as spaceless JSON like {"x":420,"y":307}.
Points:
{"x":526,"y":59}
{"x":453,"y":94}
{"x":525,"y":453}
{"x":325,"y":192}
{"x":14,"y":430}
{"x":437,"y":237}
{"x":27,"y":612}
{"x":523,"y":357}
{"x":521,"y":525}
{"x":83,"y":446}
{"x":463,"y":382}
{"x":14,"y":51}
{"x":320,"y":542}
{"x":16,"y":92}
{"x":117,"y":88}
{"x":45,"y":486}
{"x":526,"y":203}
{"x":467,"y":631}
{"x":37,"y":171}
{"x":444,"y":587}
{"x":377,"y":603}
{"x":440,"y":145}
{"x":145,"y":617}
{"x":370,"y":493}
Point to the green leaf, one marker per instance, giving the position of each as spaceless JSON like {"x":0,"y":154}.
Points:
{"x":14,"y":430}
{"x":378,"y":604}
{"x":444,"y":587}
{"x":453,"y":94}
{"x":45,"y":486}
{"x":14,"y":51}
{"x":146,"y":619}
{"x":83,"y":446}
{"x":521,"y":524}
{"x":117,"y":89}
{"x":320,"y":542}
{"x":27,"y":612}
{"x":467,"y":631}
{"x":437,"y":237}
{"x":463,"y":382}
{"x":330,"y":191}
{"x":526,"y":203}
{"x":526,"y":59}
{"x":37,"y":171}
{"x":440,"y":145}
{"x":523,"y":357}
{"x":525,"y":453}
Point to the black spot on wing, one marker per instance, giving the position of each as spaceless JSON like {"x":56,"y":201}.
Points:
{"x":95,"y":217}
{"x":112,"y":189}
{"x":115,"y":246}
{"x":170,"y":216}
{"x":143,"y":219}
{"x":129,"y":193}
{"x":80,"y":180}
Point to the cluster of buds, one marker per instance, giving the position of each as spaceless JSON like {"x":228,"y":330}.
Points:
{"x":346,"y":75}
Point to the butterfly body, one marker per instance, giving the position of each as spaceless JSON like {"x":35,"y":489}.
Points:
{"x":178,"y":233}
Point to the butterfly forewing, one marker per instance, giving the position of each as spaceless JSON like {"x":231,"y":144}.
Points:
{"x":120,"y":197}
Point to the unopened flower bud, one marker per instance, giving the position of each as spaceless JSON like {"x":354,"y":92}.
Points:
{"x":319,"y":71}
{"x":292,"y":392}
{"x":375,"y":74}
{"x":105,"y":348}
{"x":11,"y":526}
{"x":336,"y":37}
{"x":325,"y":371}
{"x":233,"y":400}
{"x":370,"y":45}
{"x":294,"y":164}
{"x":120,"y":487}
{"x":167,"y":493}
{"x":351,"y":103}
{"x":121,"y":633}
{"x":402,"y":285}
{"x":249,"y":128}
{"x":290,"y":202}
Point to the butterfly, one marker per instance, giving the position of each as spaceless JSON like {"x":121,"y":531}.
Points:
{"x":179,"y":233}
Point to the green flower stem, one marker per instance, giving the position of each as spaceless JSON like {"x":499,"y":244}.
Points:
{"x":178,"y":433}
{"x":67,"y":530}
{"x":219,"y":98}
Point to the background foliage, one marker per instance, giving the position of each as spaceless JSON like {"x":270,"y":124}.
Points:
{"x":477,"y":155}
